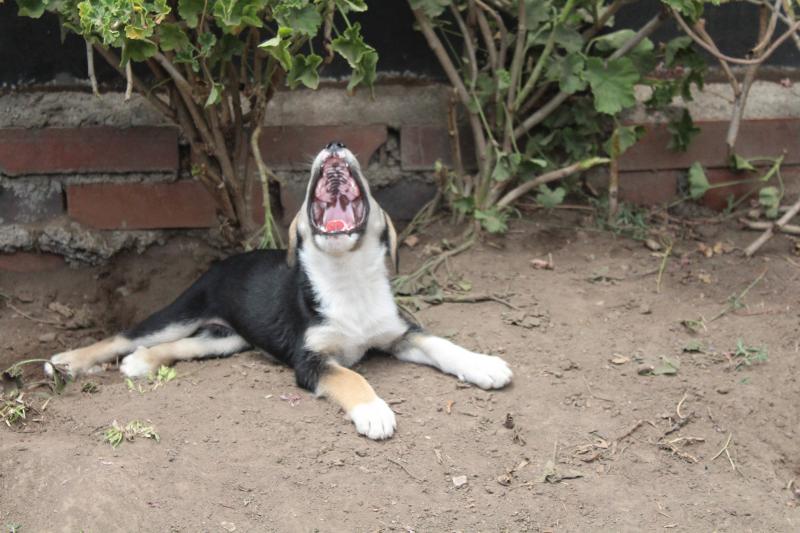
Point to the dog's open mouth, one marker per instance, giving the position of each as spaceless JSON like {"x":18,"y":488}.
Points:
{"x":338,"y":204}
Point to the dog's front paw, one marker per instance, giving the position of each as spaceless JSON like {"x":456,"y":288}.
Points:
{"x":71,"y":362}
{"x":486,"y":371}
{"x":138,"y":364}
{"x":374,"y":419}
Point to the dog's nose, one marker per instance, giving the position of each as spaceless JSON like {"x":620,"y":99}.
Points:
{"x":335,"y":146}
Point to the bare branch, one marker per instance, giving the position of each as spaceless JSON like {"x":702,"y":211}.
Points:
{"x":469,"y":45}
{"x":554,"y":175}
{"x":162,"y":108}
{"x":767,"y":235}
{"x":455,"y":79}
{"x":128,"y":80}
{"x":90,"y":68}
{"x":775,"y":45}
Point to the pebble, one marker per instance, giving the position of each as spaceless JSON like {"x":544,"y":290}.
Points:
{"x":459,"y":481}
{"x":47,"y":337}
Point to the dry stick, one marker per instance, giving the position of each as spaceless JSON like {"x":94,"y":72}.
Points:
{"x":90,"y":68}
{"x":730,"y":307}
{"x":486,"y":33}
{"x":767,"y":235}
{"x":719,"y":55}
{"x":678,"y":407}
{"x":663,"y":266}
{"x":401,"y":465}
{"x":528,"y":186}
{"x":791,"y":229}
{"x":592,"y":394}
{"x":734,"y":83}
{"x":517,"y":61}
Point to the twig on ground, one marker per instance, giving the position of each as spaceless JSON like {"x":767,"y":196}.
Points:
{"x":767,"y":235}
{"x":592,"y":394}
{"x":401,"y":465}
{"x":727,"y":452}
{"x":678,"y":407}
{"x":736,"y":300}
{"x":761,"y":225}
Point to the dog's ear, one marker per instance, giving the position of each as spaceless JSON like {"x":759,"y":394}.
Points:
{"x":291,"y":251}
{"x":391,"y":242}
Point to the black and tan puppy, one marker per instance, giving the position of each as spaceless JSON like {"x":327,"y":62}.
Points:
{"x":318,"y":306}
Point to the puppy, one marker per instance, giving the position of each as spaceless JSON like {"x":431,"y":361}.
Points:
{"x":318,"y":306}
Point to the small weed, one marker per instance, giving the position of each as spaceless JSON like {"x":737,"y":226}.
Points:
{"x":164,"y":375}
{"x":117,"y":434}
{"x":630,"y":221}
{"x":745,"y":356}
{"x":14,"y":528}
{"x":90,"y":387}
{"x":693,"y":347}
{"x":14,"y":411}
{"x":134,"y":386}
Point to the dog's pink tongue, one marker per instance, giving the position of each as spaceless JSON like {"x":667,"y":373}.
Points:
{"x":339,"y":216}
{"x":334,"y":225}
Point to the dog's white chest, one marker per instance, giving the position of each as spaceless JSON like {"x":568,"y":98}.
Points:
{"x":355,"y":301}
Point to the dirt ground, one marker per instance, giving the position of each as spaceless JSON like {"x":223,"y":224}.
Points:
{"x":598,"y":443}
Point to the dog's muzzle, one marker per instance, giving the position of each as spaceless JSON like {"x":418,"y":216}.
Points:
{"x":337,"y":204}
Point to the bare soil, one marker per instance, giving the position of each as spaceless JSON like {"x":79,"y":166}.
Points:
{"x":242,"y":447}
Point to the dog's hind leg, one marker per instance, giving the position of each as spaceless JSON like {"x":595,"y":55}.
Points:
{"x":209,"y":341}
{"x":178,"y":320}
{"x":485,"y":371}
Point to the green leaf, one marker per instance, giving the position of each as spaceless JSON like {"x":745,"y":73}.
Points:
{"x":171,"y":37}
{"x":626,"y":136}
{"x":351,"y":46}
{"x":206,"y":41}
{"x":675,"y":49}
{"x":643,"y":54}
{"x":492,"y":220}
{"x":31,"y":8}
{"x":431,"y":8}
{"x":351,"y":5}
{"x":190,"y":11}
{"x":536,"y":12}
{"x":569,"y":39}
{"x":569,"y":73}
{"x":138,"y":50}
{"x":503,"y":79}
{"x":279,"y":49}
{"x":215,"y":96}
{"x":365,"y":72}
{"x":304,"y":70}
{"x":668,"y":367}
{"x":740,"y":163}
{"x":770,"y":199}
{"x":612,"y":83}
{"x":688,"y":8}
{"x":299,"y":15}
{"x":501,"y":170}
{"x":698,"y":182}
{"x":682,"y":131}
{"x":549,"y":198}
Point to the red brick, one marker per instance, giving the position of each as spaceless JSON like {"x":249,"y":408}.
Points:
{"x":762,"y":137}
{"x":30,"y":262}
{"x":422,"y":145}
{"x":649,"y":187}
{"x":294,"y":147}
{"x":184,"y":204}
{"x":90,"y":149}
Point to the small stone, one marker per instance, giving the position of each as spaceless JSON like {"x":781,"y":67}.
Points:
{"x":228,"y":526}
{"x":652,"y":245}
{"x":47,"y":337}
{"x":723,"y":390}
{"x":459,"y":481}
{"x":645,"y":309}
